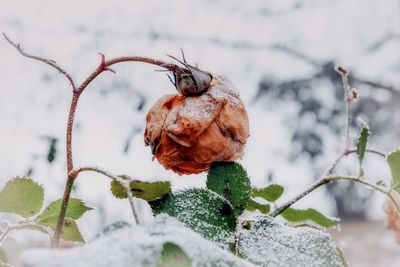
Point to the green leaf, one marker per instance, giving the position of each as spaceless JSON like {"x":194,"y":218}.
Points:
{"x":202,"y":210}
{"x":342,"y":258}
{"x":296,"y":215}
{"x":362,"y":144}
{"x":253,"y":205}
{"x":22,"y":196}
{"x":173,"y":256}
{"x":269,"y":243}
{"x":3,"y":258}
{"x":70,"y":230}
{"x":270,"y":193}
{"x":230,"y":180}
{"x":76,"y":208}
{"x":148,"y":191}
{"x":394,"y":163}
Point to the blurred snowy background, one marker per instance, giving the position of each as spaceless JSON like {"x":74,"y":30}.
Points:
{"x":279,"y":54}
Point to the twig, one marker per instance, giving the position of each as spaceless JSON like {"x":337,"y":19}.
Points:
{"x":104,"y":65}
{"x":45,"y":60}
{"x":23,"y":225}
{"x":123,"y":182}
{"x":346,"y":87}
{"x":328,"y":179}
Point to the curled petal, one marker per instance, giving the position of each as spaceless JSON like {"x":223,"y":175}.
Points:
{"x":188,"y":133}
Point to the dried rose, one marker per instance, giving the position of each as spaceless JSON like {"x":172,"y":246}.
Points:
{"x":188,"y":133}
{"x":393,"y":216}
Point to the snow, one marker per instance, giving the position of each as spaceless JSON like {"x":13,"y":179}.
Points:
{"x":135,"y":246}
{"x":271,"y":244}
{"x":245,"y":42}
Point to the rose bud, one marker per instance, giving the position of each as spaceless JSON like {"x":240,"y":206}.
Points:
{"x":188,"y":133}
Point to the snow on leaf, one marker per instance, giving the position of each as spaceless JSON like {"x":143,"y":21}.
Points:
{"x":297,"y":215}
{"x":270,"y":193}
{"x":394,"y":162}
{"x":172,"y":256}
{"x":137,"y":246}
{"x":148,"y":191}
{"x":202,"y":210}
{"x":22,"y":196}
{"x":254,"y":205}
{"x":277,"y":245}
{"x":230,"y":180}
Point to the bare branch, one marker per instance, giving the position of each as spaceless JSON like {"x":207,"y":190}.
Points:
{"x":104,"y":66}
{"x":44,"y":60}
{"x":346,"y":87}
{"x":329,"y":179}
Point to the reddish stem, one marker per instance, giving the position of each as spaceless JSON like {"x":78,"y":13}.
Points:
{"x":104,"y":66}
{"x":77,"y":91}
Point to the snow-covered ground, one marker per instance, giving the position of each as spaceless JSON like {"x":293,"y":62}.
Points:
{"x":239,"y":39}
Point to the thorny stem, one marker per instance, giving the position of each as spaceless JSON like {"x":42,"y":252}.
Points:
{"x":77,"y":91}
{"x":124,"y":183}
{"x":45,"y":60}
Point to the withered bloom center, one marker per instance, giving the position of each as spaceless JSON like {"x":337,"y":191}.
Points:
{"x":188,"y":133}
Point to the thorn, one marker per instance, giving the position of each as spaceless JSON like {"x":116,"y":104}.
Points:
{"x":111,"y":70}
{"x":103,"y":61}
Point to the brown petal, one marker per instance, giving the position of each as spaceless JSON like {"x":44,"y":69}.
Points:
{"x":212,"y":146}
{"x":193,"y":117}
{"x":156,"y":116}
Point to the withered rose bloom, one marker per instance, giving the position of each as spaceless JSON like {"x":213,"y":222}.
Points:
{"x":392,"y":216}
{"x":187,"y":134}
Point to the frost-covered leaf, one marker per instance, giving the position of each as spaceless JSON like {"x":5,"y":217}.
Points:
{"x":76,"y":208}
{"x":230,"y":180}
{"x":297,"y":215}
{"x":136,"y":246}
{"x":148,"y":191}
{"x":394,"y":163}
{"x":23,"y":196}
{"x":270,"y":193}
{"x":173,"y":256}
{"x":202,"y":210}
{"x":362,"y":144}
{"x":254,"y":205}
{"x":70,"y":230}
{"x":272,"y":244}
